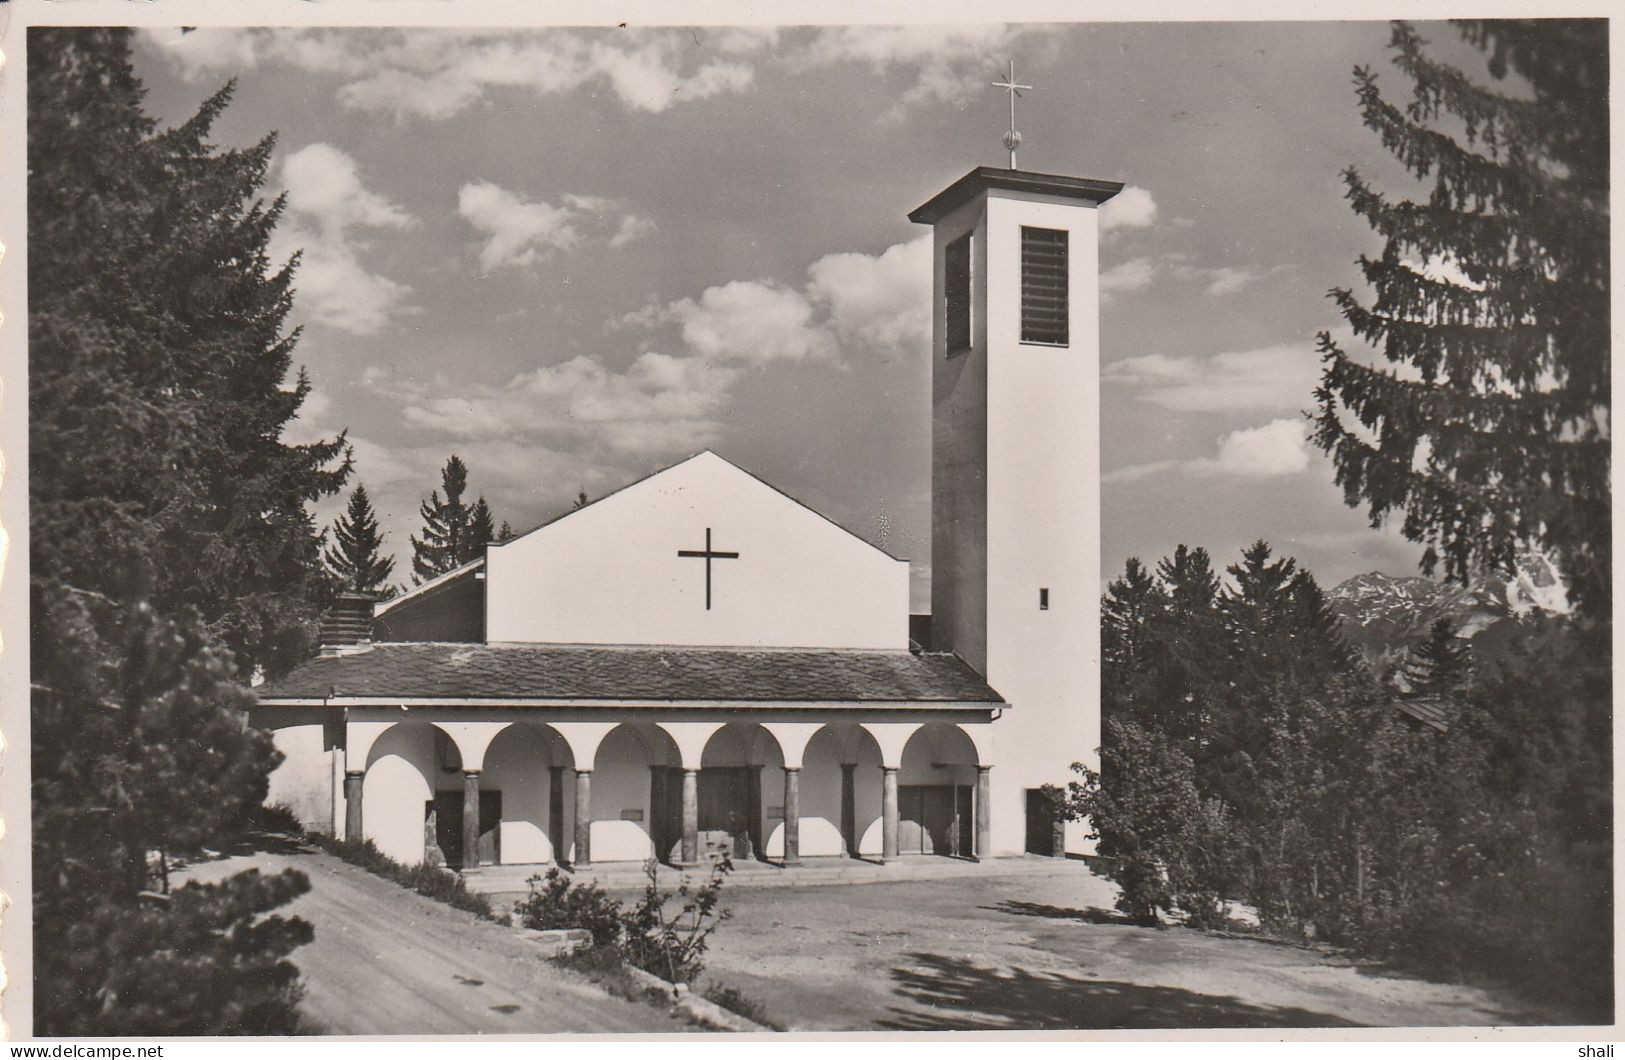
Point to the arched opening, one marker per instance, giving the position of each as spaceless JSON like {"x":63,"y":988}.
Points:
{"x":622,"y":790}
{"x":397,"y":793}
{"x":936,"y":793}
{"x":524,"y":780}
{"x":740,"y":792}
{"x":858,"y":759}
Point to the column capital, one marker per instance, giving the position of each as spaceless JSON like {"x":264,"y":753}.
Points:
{"x":471,"y":772}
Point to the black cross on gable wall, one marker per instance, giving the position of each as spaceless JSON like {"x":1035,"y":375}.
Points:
{"x":708,"y":555}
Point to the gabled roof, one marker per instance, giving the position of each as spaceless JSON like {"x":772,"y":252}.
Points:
{"x":687,"y":459}
{"x":532,"y":673}
{"x":431,"y":586}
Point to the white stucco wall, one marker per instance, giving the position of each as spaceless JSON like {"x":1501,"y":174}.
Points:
{"x":610,"y":574}
{"x":397,"y":785}
{"x":1020,"y":483}
{"x":516,"y":765}
{"x":303,"y":781}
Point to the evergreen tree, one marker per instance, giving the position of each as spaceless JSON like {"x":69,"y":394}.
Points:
{"x":506,"y":533}
{"x":356,"y":559}
{"x":445,"y":526}
{"x":481,"y":532}
{"x":1490,"y":431}
{"x":157,"y":361}
{"x":172,"y":551}
{"x":580,"y":502}
{"x":1440,"y":665}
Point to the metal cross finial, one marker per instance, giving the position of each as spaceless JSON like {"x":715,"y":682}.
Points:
{"x":1012,"y":139}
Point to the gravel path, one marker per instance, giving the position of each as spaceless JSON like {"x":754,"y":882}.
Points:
{"x":388,"y":961}
{"x":1040,"y":952}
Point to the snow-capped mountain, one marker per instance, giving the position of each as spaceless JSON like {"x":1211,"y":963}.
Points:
{"x":1385,"y":615}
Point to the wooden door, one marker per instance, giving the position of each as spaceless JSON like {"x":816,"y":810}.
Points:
{"x":1040,"y":824}
{"x":724,"y":817}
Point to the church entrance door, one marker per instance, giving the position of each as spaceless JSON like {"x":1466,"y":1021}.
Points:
{"x":725,"y":806}
{"x":447,"y":809}
{"x":935,"y":819}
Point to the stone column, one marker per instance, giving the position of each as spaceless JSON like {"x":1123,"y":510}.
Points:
{"x":555,"y":812}
{"x":352,"y":805}
{"x":849,"y":807}
{"x":792,"y":815}
{"x":984,"y":812}
{"x":888,"y":813}
{"x":471,"y":819}
{"x":691,"y":816}
{"x":583,"y":856}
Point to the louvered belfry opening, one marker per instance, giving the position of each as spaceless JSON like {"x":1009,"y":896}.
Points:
{"x":956,"y":294}
{"x":1043,"y":286}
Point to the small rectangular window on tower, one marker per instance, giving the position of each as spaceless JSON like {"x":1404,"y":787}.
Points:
{"x":1044,"y":286}
{"x":1043,"y":599}
{"x":956,"y":295}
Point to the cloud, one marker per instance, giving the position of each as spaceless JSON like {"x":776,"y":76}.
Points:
{"x":1133,"y":207}
{"x":435,"y":74}
{"x":1282,"y":376}
{"x":883,"y":299}
{"x":1276,"y":449}
{"x":1132,"y":275}
{"x":518,"y":233}
{"x":328,"y":211}
{"x":749,"y":321}
{"x":1139,"y":273}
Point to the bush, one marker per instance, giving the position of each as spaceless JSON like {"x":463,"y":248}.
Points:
{"x":673,"y":947}
{"x":204,"y":960}
{"x":736,"y":1002}
{"x":442,"y":885}
{"x":559,"y":902}
{"x":277,"y":817}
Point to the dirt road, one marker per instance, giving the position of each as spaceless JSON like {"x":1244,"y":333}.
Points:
{"x":1042,"y":953}
{"x":388,"y":961}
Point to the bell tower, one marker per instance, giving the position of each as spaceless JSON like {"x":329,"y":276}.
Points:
{"x":1015,"y":469}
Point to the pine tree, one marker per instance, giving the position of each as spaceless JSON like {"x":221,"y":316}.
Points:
{"x":445,"y":526}
{"x":481,"y":532}
{"x":1490,"y":430}
{"x":506,"y":533}
{"x":172,"y":551}
{"x":356,"y":558}
{"x":1441,"y":664}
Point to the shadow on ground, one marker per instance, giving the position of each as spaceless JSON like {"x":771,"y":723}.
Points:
{"x":957,"y":995}
{"x":1056,"y":912}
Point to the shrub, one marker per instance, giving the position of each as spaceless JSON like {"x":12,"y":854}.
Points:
{"x":673,"y":947}
{"x":442,"y":885}
{"x":736,"y":1002}
{"x":277,"y":817}
{"x":556,"y":901}
{"x":204,"y":960}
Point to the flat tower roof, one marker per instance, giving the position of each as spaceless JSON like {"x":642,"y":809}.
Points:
{"x":983,"y":178}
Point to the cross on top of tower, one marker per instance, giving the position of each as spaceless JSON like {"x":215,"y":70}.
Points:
{"x":1012,"y":139}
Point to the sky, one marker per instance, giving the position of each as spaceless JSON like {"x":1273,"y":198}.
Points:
{"x":572,"y":257}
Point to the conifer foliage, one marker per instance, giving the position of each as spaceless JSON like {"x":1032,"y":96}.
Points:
{"x":1489,"y":428}
{"x":356,"y":557}
{"x":172,"y":552}
{"x":454,"y":533}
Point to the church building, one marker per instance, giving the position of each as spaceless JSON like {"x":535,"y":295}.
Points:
{"x":698,"y":661}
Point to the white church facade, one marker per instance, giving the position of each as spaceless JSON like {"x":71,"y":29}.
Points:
{"x":698,"y":661}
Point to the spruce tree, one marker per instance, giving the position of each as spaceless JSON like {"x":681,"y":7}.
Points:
{"x":1441,"y":664}
{"x":445,"y":526}
{"x":481,"y":532}
{"x":356,"y":558}
{"x":506,"y":532}
{"x":172,"y":552}
{"x":1489,"y":427}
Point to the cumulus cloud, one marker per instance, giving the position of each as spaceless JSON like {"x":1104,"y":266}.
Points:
{"x":600,"y":420}
{"x":1139,"y":273}
{"x":1133,"y":207}
{"x":1281,"y":376}
{"x":329,"y":214}
{"x":519,"y":233}
{"x":1276,"y":449}
{"x":435,"y":74}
